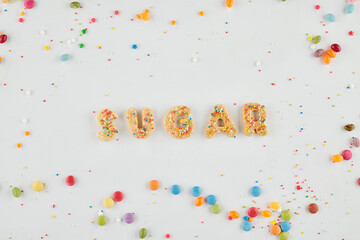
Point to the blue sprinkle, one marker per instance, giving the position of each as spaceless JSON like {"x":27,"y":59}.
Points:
{"x":256,"y":191}
{"x":211,"y":199}
{"x":175,"y":189}
{"x":246,"y":226}
{"x":196,"y":191}
{"x":285,"y":226}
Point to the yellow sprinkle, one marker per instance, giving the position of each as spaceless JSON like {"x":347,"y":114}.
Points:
{"x":310,"y":38}
{"x":273,"y":222}
{"x":46,"y":48}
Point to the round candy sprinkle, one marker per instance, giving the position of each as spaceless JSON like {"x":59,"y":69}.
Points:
{"x":142,"y":233}
{"x":346,"y":154}
{"x":129,"y":218}
{"x":316,"y":39}
{"x":349,"y":8}
{"x":154,"y":185}
{"x":118,"y":196}
{"x":313,"y":208}
{"x":75,"y":5}
{"x":246,"y":226}
{"x":284,"y":236}
{"x":3,"y":38}
{"x":38,"y":186}
{"x":336,"y":47}
{"x":70,"y":180}
{"x":256,"y":191}
{"x":337,"y":158}
{"x":211,"y":199}
{"x":108,"y":203}
{"x":16,"y":192}
{"x":266,"y":213}
{"x":285,"y":226}
{"x":356,"y":142}
{"x":234,"y":214}
{"x":349,"y":127}
{"x":199,"y":201}
{"x":275,"y":230}
{"x":275,"y":205}
{"x":359,"y":181}
{"x":216,"y":208}
{"x":29,"y":4}
{"x":286,"y":215}
{"x":175,"y":189}
{"x":318,"y":53}
{"x":196,"y":191}
{"x":253,"y":212}
{"x":65,"y":57}
{"x":101,"y":220}
{"x":330,"y":17}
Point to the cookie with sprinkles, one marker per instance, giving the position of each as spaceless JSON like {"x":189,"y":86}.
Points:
{"x":104,"y":119}
{"x":220,"y":121}
{"x":254,"y":117}
{"x":143,"y":128}
{"x":178,"y":122}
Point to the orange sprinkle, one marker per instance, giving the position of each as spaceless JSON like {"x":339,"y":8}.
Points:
{"x":0,"y":59}
{"x":229,"y":3}
{"x":22,"y":13}
{"x":144,"y":16}
{"x":201,"y":13}
{"x":18,"y":145}
{"x":173,"y":22}
{"x":27,"y":133}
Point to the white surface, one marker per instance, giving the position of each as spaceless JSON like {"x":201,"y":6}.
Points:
{"x":63,"y":129}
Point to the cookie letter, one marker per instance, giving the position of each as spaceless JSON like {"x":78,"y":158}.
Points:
{"x":145,"y":127}
{"x":104,"y":119}
{"x":178,"y":122}
{"x":220,"y":121}
{"x":252,"y":124}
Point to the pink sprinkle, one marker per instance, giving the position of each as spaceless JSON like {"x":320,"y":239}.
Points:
{"x":116,"y":12}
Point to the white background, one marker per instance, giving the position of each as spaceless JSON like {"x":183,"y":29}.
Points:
{"x":63,"y":129}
